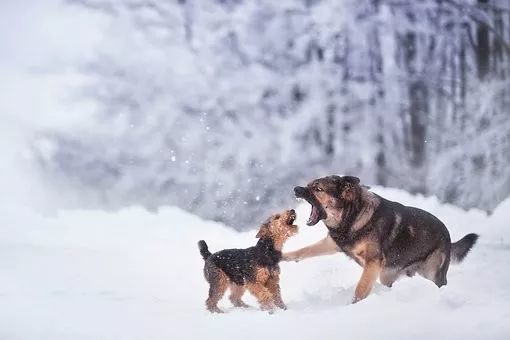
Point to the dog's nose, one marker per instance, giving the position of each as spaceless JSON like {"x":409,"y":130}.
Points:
{"x":292,"y":211}
{"x":299,"y":191}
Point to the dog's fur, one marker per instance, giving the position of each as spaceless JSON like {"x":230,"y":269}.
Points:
{"x":255,"y":268}
{"x":386,"y":238}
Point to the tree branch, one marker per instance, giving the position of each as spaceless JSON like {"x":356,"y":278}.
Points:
{"x":473,"y":17}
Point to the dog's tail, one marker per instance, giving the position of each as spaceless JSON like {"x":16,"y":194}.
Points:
{"x":204,"y":250}
{"x":461,"y":247}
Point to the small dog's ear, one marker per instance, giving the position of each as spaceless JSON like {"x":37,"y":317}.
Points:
{"x":351,"y":179}
{"x":263,"y":231}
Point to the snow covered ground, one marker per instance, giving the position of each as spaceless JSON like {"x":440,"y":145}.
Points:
{"x":135,"y":274}
{"x":138,"y":275}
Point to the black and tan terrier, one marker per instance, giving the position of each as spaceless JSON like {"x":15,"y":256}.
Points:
{"x":255,"y":268}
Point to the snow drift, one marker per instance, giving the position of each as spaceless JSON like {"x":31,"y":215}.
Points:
{"x":138,"y":275}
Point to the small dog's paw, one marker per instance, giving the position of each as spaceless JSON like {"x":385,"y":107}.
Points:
{"x":215,"y":310}
{"x":241,"y":305}
{"x":269,"y":308}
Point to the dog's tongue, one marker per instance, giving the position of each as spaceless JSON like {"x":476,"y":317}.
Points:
{"x":314,"y":216}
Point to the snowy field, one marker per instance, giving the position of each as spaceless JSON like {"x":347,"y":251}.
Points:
{"x":138,"y":275}
{"x":135,"y":274}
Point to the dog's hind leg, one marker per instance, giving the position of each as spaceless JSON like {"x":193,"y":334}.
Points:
{"x":440,"y":279}
{"x":236,"y":293}
{"x":435,"y":267}
{"x":273,"y":285}
{"x":218,"y":284}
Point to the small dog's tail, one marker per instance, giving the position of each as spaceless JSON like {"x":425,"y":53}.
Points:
{"x":204,"y":250}
{"x":461,"y":247}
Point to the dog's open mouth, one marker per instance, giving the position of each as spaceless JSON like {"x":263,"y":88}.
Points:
{"x":314,"y":216}
{"x":292,"y":217}
{"x":317,"y":213}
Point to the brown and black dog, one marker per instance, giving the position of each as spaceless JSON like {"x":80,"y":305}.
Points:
{"x":386,"y":238}
{"x":255,"y":268}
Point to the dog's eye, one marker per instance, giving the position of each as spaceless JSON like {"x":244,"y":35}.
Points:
{"x":318,"y":189}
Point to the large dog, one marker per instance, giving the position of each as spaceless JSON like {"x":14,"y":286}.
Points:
{"x":386,"y":238}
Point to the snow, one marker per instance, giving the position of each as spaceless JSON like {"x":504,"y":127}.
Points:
{"x":135,"y":274}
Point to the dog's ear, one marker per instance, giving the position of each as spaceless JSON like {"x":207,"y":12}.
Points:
{"x":351,"y":179}
{"x":349,"y":193}
{"x":263,"y":231}
{"x":350,"y":188}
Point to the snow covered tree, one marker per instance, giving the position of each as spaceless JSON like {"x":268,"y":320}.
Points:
{"x":220,"y":107}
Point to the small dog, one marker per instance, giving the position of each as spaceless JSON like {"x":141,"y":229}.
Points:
{"x":255,"y":268}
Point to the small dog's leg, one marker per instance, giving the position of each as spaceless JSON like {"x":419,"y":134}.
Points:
{"x":263,"y":295}
{"x":236,"y":293}
{"x":371,"y":272}
{"x":326,"y":246}
{"x":217,"y":287}
{"x":273,"y":285}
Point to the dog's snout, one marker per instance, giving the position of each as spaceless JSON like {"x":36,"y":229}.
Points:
{"x":300,"y":191}
{"x":292,"y":211}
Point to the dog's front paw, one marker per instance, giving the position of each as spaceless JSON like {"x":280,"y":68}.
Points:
{"x":356,"y":299}
{"x":215,"y":310}
{"x":269,"y":309}
{"x":241,"y":304}
{"x":288,"y":257}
